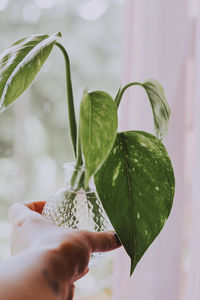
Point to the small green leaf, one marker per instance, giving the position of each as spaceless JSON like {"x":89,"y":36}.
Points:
{"x":98,"y":129}
{"x":160,"y":107}
{"x":136,"y":187}
{"x":20,"y":63}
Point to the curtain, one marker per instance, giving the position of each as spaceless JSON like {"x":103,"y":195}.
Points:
{"x":162,"y":41}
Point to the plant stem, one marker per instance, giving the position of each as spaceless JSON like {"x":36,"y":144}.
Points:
{"x":79,"y":161}
{"x":70,"y":99}
{"x":121,"y":92}
{"x":77,"y":179}
{"x":118,"y":92}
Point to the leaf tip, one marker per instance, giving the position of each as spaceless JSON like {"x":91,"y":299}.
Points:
{"x":58,"y":34}
{"x":85,"y":93}
{"x":133,"y":265}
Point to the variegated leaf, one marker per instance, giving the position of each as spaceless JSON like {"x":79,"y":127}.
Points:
{"x":20,"y":63}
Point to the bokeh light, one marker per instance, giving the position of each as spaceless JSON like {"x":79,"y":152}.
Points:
{"x":31,"y":13}
{"x":45,"y":4}
{"x":34,"y":134}
{"x":93,"y":9}
{"x":3,"y":4}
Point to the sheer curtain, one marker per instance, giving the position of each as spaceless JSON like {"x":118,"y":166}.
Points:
{"x":162,"y":41}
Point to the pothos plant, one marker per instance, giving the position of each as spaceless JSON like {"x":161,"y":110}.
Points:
{"x":133,"y":173}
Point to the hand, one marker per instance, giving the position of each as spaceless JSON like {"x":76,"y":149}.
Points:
{"x":69,"y":250}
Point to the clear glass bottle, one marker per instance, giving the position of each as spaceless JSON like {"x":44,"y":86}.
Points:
{"x":73,"y":207}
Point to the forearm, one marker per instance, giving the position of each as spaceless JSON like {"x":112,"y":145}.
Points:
{"x":35,"y":274}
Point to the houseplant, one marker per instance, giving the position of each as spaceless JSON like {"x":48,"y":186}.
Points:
{"x":132,"y":170}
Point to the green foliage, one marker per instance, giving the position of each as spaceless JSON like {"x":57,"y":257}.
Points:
{"x":134,"y":178}
{"x":98,"y":129}
{"x":20,"y":63}
{"x":159,"y":105}
{"x":70,"y":99}
{"x":136,"y":188}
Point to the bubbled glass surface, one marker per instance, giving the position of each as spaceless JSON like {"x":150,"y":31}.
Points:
{"x":76,"y":209}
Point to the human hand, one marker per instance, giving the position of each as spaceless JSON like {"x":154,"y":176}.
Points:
{"x":70,"y":250}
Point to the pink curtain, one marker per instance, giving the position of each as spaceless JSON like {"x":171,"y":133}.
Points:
{"x":162,"y":41}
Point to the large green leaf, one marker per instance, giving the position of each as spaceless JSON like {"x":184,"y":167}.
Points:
{"x":136,"y":187}
{"x":20,"y":63}
{"x":98,"y":129}
{"x":160,"y":107}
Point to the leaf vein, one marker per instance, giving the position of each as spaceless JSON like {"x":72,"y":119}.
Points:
{"x":130,"y":196}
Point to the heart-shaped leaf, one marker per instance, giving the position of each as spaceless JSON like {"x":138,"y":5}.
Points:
{"x":160,"y":107}
{"x":136,"y":187}
{"x":20,"y":63}
{"x":98,"y":129}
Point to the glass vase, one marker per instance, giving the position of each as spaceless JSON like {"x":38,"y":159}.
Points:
{"x":73,"y":207}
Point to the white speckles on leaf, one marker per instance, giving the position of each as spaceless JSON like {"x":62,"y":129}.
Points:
{"x":163,"y":219}
{"x":141,"y":193}
{"x":114,"y":150}
{"x":116,"y":173}
{"x":144,"y":145}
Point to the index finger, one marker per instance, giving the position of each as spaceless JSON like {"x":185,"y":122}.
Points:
{"x":36,"y":206}
{"x":102,"y":241}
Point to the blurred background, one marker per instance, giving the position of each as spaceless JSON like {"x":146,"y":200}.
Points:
{"x":34,"y":135}
{"x":110,"y":42}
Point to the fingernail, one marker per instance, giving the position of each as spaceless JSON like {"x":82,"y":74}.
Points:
{"x":117,"y":239}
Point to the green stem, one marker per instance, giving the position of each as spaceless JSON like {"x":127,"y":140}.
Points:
{"x":77,"y":180}
{"x":70,"y":99}
{"x":79,"y":160}
{"x":118,"y":92}
{"x":79,"y":163}
{"x":73,"y":124}
{"x":121,"y":92}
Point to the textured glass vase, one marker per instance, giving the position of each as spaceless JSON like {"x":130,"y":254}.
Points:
{"x":72,"y":207}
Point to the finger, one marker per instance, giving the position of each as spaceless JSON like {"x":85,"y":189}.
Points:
{"x":103,"y":241}
{"x":79,"y":276}
{"x":70,"y":292}
{"x":19,"y":211}
{"x":36,"y":206}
